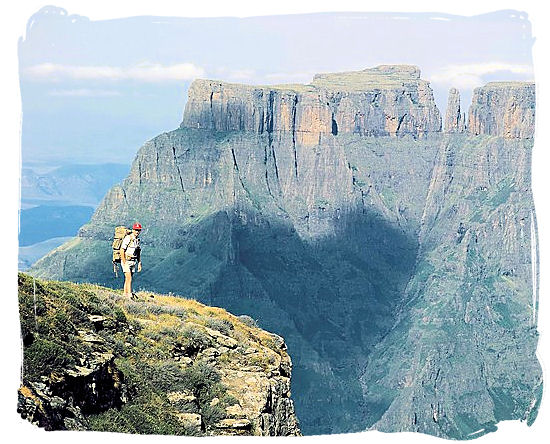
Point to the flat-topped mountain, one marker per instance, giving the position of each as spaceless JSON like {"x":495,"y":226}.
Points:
{"x":387,"y":100}
{"x":343,"y":218}
{"x":380,"y":77}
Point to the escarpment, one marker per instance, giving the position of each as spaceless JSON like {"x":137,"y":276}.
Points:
{"x":387,"y":100}
{"x":394,"y":257}
{"x":505,"y":109}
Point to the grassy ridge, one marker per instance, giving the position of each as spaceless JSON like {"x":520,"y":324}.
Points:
{"x":157,"y":343}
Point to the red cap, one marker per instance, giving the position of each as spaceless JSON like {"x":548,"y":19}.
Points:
{"x":136,"y":226}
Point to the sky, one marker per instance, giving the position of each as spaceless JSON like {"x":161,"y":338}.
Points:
{"x":95,"y":91}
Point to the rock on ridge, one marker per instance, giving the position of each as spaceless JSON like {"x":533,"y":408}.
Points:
{"x":198,"y":370}
{"x":386,"y":100}
{"x":454,"y":117}
{"x":505,"y":109}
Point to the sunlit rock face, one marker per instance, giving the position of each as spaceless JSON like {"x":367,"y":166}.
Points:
{"x":395,"y":258}
{"x":505,"y":109}
{"x":387,"y":100}
{"x":455,"y":117}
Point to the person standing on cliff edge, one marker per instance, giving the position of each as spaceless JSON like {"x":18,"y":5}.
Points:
{"x":130,"y":257}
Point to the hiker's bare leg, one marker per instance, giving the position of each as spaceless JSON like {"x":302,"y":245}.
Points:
{"x":128,"y":284}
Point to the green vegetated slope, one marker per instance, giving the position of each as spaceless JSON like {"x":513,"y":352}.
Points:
{"x":462,"y":355}
{"x":94,"y":360}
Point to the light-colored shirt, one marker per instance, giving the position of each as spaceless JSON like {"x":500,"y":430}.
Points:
{"x":129,"y":245}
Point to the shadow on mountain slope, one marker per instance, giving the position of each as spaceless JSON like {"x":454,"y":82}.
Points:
{"x":332,"y":299}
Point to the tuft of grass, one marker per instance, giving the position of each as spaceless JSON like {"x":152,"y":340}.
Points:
{"x":224,"y":326}
{"x":248,"y":321}
{"x":43,"y":357}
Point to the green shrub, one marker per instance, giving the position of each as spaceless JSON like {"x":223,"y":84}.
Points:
{"x":144,"y":308}
{"x":136,"y":309}
{"x":194,"y":341}
{"x":247,"y":320}
{"x":56,"y":325}
{"x":76,"y":315}
{"x":43,"y":357}
{"x":134,"y":326}
{"x":153,"y":334}
{"x":202,"y":380}
{"x":142,"y":416}
{"x":180,"y":312}
{"x":119,"y":348}
{"x":212,"y":414}
{"x":155,"y":309}
{"x":132,"y":340}
{"x":222,"y":325}
{"x":172,"y":332}
{"x":165,"y":376}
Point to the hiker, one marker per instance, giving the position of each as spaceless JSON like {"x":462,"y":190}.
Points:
{"x":130,"y":256}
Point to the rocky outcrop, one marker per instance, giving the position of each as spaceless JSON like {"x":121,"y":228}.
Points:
{"x":454,"y":117}
{"x":211,"y":372}
{"x":505,"y":109}
{"x":62,"y":402}
{"x":267,"y":410}
{"x":387,"y":100}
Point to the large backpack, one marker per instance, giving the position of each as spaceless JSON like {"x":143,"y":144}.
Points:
{"x":120,"y":233}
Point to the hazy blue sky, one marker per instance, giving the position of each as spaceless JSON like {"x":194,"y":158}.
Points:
{"x":94,"y":91}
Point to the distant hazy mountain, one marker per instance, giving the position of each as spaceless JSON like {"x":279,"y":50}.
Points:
{"x":30,"y":254}
{"x":70,"y":184}
{"x":40,"y":223}
{"x":55,"y":203}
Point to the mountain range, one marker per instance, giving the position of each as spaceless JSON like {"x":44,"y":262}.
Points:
{"x":394,"y":249}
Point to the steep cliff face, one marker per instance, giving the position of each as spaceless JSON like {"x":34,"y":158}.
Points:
{"x":455,"y":117}
{"x":387,"y":100}
{"x":505,"y":109}
{"x":466,"y":337}
{"x":470,"y":308}
{"x":94,"y":360}
{"x":327,"y":211}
